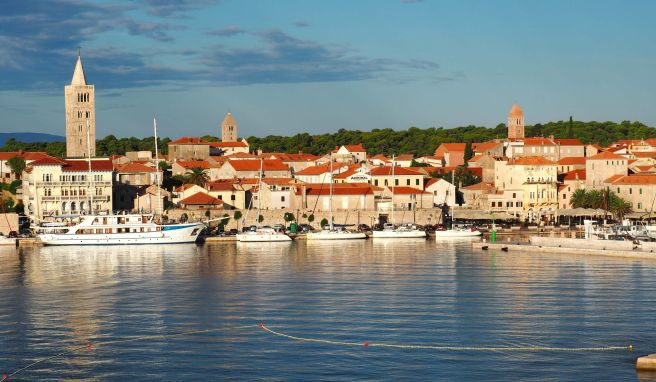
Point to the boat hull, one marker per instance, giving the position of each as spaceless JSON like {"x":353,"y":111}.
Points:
{"x":324,"y":235}
{"x":262,"y":237}
{"x":455,"y":234}
{"x":398,"y":234}
{"x":174,"y":234}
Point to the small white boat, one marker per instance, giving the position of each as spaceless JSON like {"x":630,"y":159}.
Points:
{"x":336,"y":233}
{"x":458,"y":232}
{"x":118,"y":229}
{"x":262,"y":234}
{"x":407,"y":230}
{"x":6,"y":241}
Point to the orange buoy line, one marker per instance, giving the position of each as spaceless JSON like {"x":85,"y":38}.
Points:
{"x":89,"y":345}
{"x":445,"y":348}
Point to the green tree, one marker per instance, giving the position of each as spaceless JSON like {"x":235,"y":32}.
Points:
{"x":469,"y":153}
{"x":17,"y":166}
{"x":324,"y":222}
{"x":163,"y":165}
{"x":579,"y":199}
{"x":260,"y":219}
{"x":197,"y":176}
{"x":310,"y":218}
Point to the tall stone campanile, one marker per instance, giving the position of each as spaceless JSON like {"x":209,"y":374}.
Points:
{"x":229,"y":129}
{"x":516,"y":122}
{"x":80,"y":105}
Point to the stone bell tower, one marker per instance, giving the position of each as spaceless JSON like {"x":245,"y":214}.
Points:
{"x":516,"y":122}
{"x":79,"y":99}
{"x":229,"y":129}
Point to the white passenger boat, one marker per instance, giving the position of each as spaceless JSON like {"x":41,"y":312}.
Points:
{"x":407,"y":230}
{"x":118,"y":229}
{"x":5,"y":241}
{"x":458,"y":232}
{"x":262,"y":234}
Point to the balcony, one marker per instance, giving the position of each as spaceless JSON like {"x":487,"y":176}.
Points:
{"x":73,"y":183}
{"x":56,"y":198}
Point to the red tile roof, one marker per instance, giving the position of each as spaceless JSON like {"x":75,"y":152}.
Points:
{"x":479,"y":186}
{"x":572,"y":160}
{"x":453,"y":146}
{"x":189,"y":164}
{"x":317,"y":170}
{"x":239,"y":155}
{"x":300,"y":157}
{"x":636,"y":179}
{"x":189,"y":141}
{"x":48,"y":161}
{"x":228,"y":144}
{"x":355,"y":148}
{"x":219,"y":186}
{"x":135,"y":168}
{"x":254,"y":165}
{"x":350,"y":170}
{"x":644,"y":154}
{"x":568,"y":142}
{"x":387,"y":171}
{"x":83,"y":165}
{"x":485,"y":146}
{"x":530,"y":161}
{"x":404,"y":190}
{"x":338,"y":189}
{"x":184,"y":187}
{"x":575,"y":175}
{"x":606,"y":155}
{"x":538,"y":141}
{"x":201,"y":199}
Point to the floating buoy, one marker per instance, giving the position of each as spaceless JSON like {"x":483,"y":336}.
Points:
{"x":484,"y":247}
{"x":505,"y":249}
{"x":88,"y":345}
{"x":4,"y":376}
{"x":365,"y":344}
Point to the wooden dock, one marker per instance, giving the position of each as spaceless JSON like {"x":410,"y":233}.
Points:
{"x":637,"y":253}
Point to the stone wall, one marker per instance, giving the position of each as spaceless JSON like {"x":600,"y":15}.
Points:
{"x":271,"y":217}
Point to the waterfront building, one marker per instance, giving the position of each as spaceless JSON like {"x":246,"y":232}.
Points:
{"x":53,"y":186}
{"x":403,"y":160}
{"x":444,"y":193}
{"x":6,"y":175}
{"x":233,"y":194}
{"x":80,"y":105}
{"x":637,"y":189}
{"x":201,"y":201}
{"x":396,"y":176}
{"x":452,"y":154}
{"x":491,"y":148}
{"x":486,"y":164}
{"x":148,"y":199}
{"x":346,"y":196}
{"x":535,"y":179}
{"x":602,"y":166}
{"x":571,"y":181}
{"x":189,"y":148}
{"x":131,"y":179}
{"x":228,"y":148}
{"x":531,"y":147}
{"x":515,"y":123}
{"x":229,"y":129}
{"x":406,"y":198}
{"x":296,"y":162}
{"x":186,"y":190}
{"x":476,"y":195}
{"x":569,"y":147}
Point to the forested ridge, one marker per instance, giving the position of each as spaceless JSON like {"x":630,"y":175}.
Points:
{"x":386,"y":141}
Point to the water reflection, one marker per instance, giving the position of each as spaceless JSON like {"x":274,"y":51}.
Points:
{"x":396,"y":291}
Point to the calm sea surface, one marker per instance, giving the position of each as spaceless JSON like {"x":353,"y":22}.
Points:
{"x":411,"y":292}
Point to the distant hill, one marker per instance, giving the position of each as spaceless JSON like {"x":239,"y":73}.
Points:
{"x":30,"y":137}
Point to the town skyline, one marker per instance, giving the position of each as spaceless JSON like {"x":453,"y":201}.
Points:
{"x":374,"y":77}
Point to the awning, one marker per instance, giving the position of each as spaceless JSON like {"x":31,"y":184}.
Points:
{"x":464,"y":214}
{"x":581,"y":212}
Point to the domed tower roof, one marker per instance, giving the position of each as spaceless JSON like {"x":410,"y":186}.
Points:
{"x":516,"y":111}
{"x":229,"y":120}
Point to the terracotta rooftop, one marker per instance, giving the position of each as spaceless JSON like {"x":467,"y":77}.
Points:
{"x":300,"y":157}
{"x":317,"y":170}
{"x":453,"y":146}
{"x":83,"y":165}
{"x":404,"y":190}
{"x":404,"y":157}
{"x":575,"y":175}
{"x":644,"y":154}
{"x":538,"y":141}
{"x":189,"y":164}
{"x":338,"y":189}
{"x":219,"y":186}
{"x":350,"y":170}
{"x":201,"y":198}
{"x":572,"y":160}
{"x":568,"y":142}
{"x":479,"y":186}
{"x":530,"y":161}
{"x":184,"y":187}
{"x":485,"y":146}
{"x":228,"y":144}
{"x":189,"y":141}
{"x":254,"y":165}
{"x":636,"y":179}
{"x":240,"y":155}
{"x":606,"y":155}
{"x":133,"y":167}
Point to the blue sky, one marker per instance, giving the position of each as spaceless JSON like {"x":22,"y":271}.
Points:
{"x":284,"y":67}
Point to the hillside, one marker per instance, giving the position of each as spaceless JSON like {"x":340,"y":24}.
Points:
{"x":413,"y":140}
{"x":30,"y":137}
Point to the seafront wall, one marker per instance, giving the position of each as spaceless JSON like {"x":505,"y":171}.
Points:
{"x":271,"y":217}
{"x":599,"y":245}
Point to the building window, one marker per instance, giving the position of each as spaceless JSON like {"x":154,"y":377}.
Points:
{"x":282,"y":198}
{"x":232,"y":197}
{"x":407,"y":182}
{"x":641,"y":191}
{"x":396,"y":182}
{"x":639,"y":205}
{"x":630,"y":191}
{"x":514,"y":195}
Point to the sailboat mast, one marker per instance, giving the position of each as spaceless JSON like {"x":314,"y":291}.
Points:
{"x":259,"y":192}
{"x":157,"y":179}
{"x":90,"y":174}
{"x":330,"y":201}
{"x":393,"y":165}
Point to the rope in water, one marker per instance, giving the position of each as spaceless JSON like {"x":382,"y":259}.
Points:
{"x":89,"y":345}
{"x":446,"y":348}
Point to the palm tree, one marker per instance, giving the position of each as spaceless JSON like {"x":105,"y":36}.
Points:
{"x":17,"y":166}
{"x":197,"y":176}
{"x":579,"y":199}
